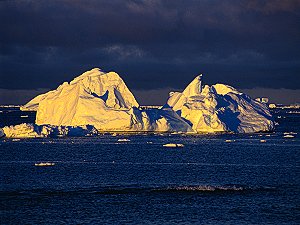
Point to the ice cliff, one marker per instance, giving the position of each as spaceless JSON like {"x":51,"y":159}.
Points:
{"x":220,"y":108}
{"x":102,"y":101}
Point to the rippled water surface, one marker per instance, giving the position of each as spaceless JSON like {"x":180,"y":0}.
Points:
{"x":251,"y":179}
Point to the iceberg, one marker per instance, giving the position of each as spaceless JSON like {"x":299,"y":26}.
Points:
{"x":220,"y":108}
{"x":102,"y":100}
{"x":97,"y":101}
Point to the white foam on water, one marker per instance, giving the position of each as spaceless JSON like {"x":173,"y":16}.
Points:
{"x":206,"y":188}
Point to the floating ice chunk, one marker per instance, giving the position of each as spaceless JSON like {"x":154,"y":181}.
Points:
{"x":173,"y":145}
{"x":26,"y":130}
{"x":44,"y":164}
{"x":288,"y":136}
{"x":291,"y":133}
{"x":16,"y":139}
{"x":293,"y":112}
{"x":123,"y":140}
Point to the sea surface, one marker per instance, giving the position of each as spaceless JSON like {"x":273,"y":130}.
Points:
{"x":213,"y":179}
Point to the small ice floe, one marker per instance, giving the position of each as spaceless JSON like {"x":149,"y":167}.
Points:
{"x":123,"y":140}
{"x":44,"y":164}
{"x":263,"y":141}
{"x":24,"y":116}
{"x":294,"y":112}
{"x":288,"y":136}
{"x":16,"y":139}
{"x":173,"y":145}
{"x":289,"y":133}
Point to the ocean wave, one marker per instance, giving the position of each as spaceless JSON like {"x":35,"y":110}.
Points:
{"x":207,"y":188}
{"x":138,"y":190}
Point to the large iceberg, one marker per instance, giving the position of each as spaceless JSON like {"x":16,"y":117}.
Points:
{"x":104,"y":101}
{"x":220,"y":108}
{"x":101,"y":102}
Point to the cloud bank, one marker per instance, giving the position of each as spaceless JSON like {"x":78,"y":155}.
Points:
{"x":151,"y":44}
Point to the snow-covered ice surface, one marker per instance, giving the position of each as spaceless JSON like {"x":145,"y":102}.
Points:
{"x":103,"y":101}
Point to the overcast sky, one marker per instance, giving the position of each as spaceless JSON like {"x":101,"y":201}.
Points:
{"x":156,"y":46}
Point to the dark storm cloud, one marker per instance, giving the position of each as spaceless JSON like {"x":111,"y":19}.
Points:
{"x":152,"y":44}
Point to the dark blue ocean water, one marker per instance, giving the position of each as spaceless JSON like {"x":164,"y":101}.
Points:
{"x":98,"y":180}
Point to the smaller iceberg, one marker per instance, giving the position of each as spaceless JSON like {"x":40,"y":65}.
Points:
{"x":220,"y":108}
